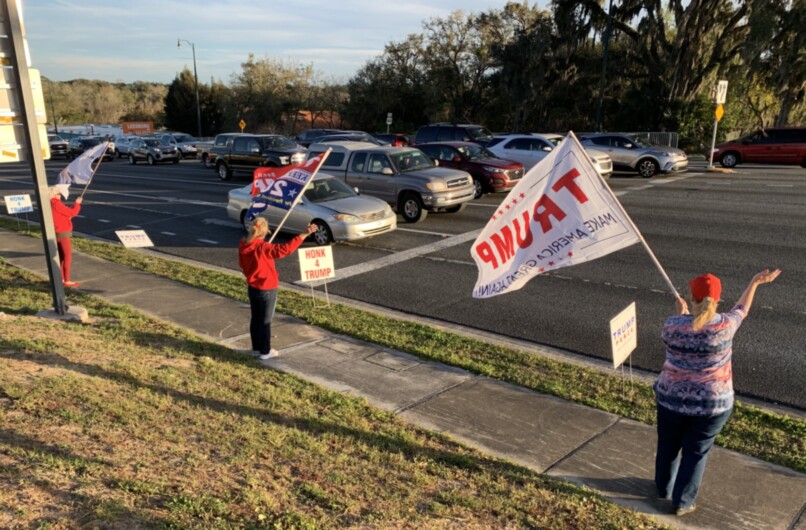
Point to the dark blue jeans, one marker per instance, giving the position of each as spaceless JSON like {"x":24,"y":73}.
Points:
{"x":262,"y":304}
{"x":683,"y":445}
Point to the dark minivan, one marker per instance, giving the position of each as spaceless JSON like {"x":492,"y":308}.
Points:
{"x":765,"y":146}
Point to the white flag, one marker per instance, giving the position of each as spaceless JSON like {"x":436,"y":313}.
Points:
{"x":560,"y":214}
{"x":80,"y":170}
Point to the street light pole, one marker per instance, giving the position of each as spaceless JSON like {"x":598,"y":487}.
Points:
{"x":195,"y":79}
{"x":604,"y":66}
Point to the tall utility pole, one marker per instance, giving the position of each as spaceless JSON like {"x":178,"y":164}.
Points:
{"x":605,"y":46}
{"x":53,"y":108}
{"x":196,"y":81}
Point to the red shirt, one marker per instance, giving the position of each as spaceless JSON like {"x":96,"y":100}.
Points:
{"x":63,"y":215}
{"x":257,"y":261}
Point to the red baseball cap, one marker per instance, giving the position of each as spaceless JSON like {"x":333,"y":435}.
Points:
{"x":705,"y":285}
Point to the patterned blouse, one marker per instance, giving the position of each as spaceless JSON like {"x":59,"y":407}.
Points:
{"x":697,"y":378}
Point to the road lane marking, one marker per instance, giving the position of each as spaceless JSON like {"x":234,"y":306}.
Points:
{"x":426,"y":232}
{"x":223,"y":222}
{"x":397,"y":258}
{"x":208,"y":241}
{"x":168,"y":233}
{"x":104,"y":221}
{"x":133,"y":226}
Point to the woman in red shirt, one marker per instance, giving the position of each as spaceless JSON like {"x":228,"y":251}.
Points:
{"x":63,"y":224}
{"x":256,"y":258}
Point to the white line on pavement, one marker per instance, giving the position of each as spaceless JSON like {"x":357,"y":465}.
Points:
{"x":133,"y":226}
{"x":104,"y":221}
{"x":222,"y":222}
{"x":168,"y":233}
{"x":440,"y":234}
{"x":208,"y":241}
{"x":394,"y":259}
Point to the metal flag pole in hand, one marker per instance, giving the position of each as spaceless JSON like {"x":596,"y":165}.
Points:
{"x":100,"y":159}
{"x":635,"y":228}
{"x":299,"y":195}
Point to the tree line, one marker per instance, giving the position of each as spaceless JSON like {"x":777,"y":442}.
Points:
{"x":518,"y":68}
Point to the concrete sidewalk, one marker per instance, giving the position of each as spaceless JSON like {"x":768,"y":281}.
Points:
{"x":600,"y":450}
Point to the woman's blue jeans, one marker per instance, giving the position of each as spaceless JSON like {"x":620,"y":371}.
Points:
{"x":683,"y":445}
{"x":262,"y":304}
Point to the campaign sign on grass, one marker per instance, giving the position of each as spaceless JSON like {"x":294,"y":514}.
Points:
{"x":18,"y":204}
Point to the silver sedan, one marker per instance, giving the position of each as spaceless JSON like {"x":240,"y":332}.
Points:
{"x":339,"y":213}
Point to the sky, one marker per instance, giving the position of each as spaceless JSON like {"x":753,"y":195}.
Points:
{"x":135,"y":40}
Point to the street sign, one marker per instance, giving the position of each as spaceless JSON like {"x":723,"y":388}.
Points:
{"x":720,"y":111}
{"x":242,"y":125}
{"x":721,"y":92}
{"x":137,"y":127}
{"x":389,"y":119}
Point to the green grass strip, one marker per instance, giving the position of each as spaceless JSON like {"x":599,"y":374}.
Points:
{"x":773,"y":437}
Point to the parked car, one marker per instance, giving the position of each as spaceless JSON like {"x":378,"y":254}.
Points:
{"x":350,"y":136}
{"x":491,"y":174}
{"x":58,"y":146}
{"x":76,"y":146}
{"x":395,"y":139}
{"x":185,"y":143}
{"x":452,"y":132}
{"x":152,"y":151}
{"x":122,"y":145}
{"x":306,"y":138}
{"x":204,"y":149}
{"x":248,"y":152}
{"x":340,"y":214}
{"x":402,"y":176}
{"x":630,"y":153}
{"x":765,"y":146}
{"x":600,"y":159}
{"x":528,"y":149}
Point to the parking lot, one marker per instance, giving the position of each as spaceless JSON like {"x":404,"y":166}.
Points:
{"x":695,"y":222}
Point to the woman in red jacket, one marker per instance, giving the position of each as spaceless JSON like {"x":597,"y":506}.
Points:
{"x":256,"y":258}
{"x":63,"y":224}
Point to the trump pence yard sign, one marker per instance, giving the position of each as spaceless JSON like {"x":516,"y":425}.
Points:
{"x":316,"y":264}
{"x":623,"y":335}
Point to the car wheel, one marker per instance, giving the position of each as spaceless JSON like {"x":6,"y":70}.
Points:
{"x":323,"y":236}
{"x":179,"y":155}
{"x":224,"y":172}
{"x":244,"y":224}
{"x":456,"y":209}
{"x":479,"y":189}
{"x":411,"y":208}
{"x":647,"y":168}
{"x":206,"y":160}
{"x":150,"y":160}
{"x":132,"y":161}
{"x":729,"y":159}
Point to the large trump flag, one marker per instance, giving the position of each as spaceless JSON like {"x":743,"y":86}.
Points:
{"x":560,"y":214}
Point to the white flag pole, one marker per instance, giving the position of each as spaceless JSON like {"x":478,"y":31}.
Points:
{"x":635,"y":228}
{"x":298,"y":197}
{"x":100,"y":159}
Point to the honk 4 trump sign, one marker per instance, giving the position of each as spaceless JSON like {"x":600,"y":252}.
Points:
{"x":316,"y":264}
{"x":560,"y":214}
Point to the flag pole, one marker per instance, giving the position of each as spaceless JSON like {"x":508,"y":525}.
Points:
{"x":669,"y":283}
{"x":298,"y":197}
{"x":100,"y":159}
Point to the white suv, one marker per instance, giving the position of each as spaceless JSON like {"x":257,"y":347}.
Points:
{"x":631,"y":153}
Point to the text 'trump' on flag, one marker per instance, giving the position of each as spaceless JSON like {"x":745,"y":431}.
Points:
{"x":560,"y":214}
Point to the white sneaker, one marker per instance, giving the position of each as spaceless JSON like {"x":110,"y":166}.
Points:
{"x":271,"y":355}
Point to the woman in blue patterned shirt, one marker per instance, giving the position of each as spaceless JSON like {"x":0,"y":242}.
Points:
{"x":694,"y":390}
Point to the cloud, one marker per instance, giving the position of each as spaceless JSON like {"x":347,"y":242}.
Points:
{"x":137,"y":40}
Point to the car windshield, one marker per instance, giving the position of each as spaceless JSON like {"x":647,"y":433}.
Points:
{"x":475,"y":152}
{"x":184,"y":138}
{"x":411,"y":160}
{"x":152,"y":142}
{"x":89,"y":142}
{"x":327,"y":189}
{"x":54,"y":138}
{"x":555,"y":140}
{"x":479,"y":133}
{"x":276,"y":142}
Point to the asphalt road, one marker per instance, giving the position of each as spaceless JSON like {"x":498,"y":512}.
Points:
{"x":697,"y":222}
